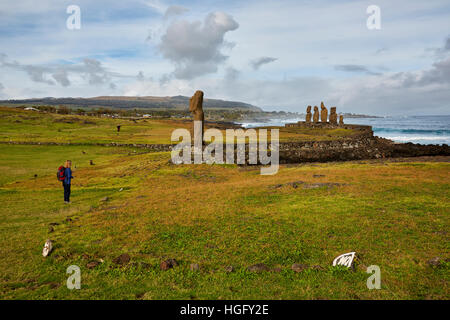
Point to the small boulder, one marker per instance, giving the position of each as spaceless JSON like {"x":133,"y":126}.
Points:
{"x":168,"y":264}
{"x":299,"y":267}
{"x":92,"y":264}
{"x":105,"y":199}
{"x":123,"y":259}
{"x":435,"y":262}
{"x":48,"y":247}
{"x":229,"y":269}
{"x":259,"y":267}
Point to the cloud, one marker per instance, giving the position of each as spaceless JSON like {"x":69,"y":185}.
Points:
{"x":37,"y":74}
{"x":445,"y":49}
{"x":355,"y":68}
{"x":439,"y":74}
{"x":174,"y":11}
{"x":61,"y":77}
{"x":89,"y":69}
{"x":195,"y":47}
{"x":257,"y":63}
{"x":381,"y":50}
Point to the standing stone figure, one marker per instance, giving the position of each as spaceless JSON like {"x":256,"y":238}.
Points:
{"x":308,"y":114}
{"x":333,"y":115}
{"x":196,"y":108}
{"x":316,"y":114}
{"x":323,"y":113}
{"x":341,"y":120}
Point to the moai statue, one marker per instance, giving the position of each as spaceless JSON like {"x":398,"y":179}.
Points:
{"x":323,"y":113}
{"x":308,"y":114}
{"x":196,"y":108}
{"x":341,"y":120}
{"x":316,"y":114}
{"x":333,"y":115}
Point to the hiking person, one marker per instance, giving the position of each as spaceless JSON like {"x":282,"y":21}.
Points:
{"x":67,"y":180}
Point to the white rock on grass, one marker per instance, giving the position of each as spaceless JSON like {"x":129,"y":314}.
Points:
{"x":48,"y":247}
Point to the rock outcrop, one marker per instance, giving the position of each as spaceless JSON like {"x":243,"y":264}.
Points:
{"x":341,"y":120}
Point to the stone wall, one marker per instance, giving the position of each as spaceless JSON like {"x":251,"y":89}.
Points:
{"x":338,"y":150}
{"x":353,"y":148}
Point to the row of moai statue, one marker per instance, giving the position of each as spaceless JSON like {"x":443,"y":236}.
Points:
{"x":323,"y":115}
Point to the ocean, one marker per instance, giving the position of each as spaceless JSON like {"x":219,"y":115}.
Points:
{"x":415,"y":129}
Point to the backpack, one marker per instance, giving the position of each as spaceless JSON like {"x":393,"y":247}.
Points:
{"x":60,"y":175}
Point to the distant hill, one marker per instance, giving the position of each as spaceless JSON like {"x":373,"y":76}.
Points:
{"x":121,"y":102}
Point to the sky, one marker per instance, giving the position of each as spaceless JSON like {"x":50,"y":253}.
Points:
{"x":275,"y":54}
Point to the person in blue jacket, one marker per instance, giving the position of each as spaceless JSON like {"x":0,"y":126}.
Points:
{"x":67,"y":180}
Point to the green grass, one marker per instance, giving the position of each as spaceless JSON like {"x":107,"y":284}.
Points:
{"x":218,"y":216}
{"x":30,"y":126}
{"x":394,"y":215}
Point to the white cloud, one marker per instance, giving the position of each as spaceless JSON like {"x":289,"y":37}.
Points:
{"x":257,"y":63}
{"x":174,"y":10}
{"x":195,"y":47}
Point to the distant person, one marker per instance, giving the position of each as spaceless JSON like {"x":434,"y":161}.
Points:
{"x":67,"y":181}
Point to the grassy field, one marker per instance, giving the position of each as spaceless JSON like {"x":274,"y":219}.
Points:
{"x":393,"y":214}
{"x":30,"y":126}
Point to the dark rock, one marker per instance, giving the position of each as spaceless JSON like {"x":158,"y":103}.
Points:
{"x":123,"y":259}
{"x":92,"y":264}
{"x":50,"y":229}
{"x":54,"y":285}
{"x":229,"y":269}
{"x":259,"y":267}
{"x":293,"y":184}
{"x":320,"y":185}
{"x":168,"y":264}
{"x":299,"y":267}
{"x":435,"y":262}
{"x":53,"y":224}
